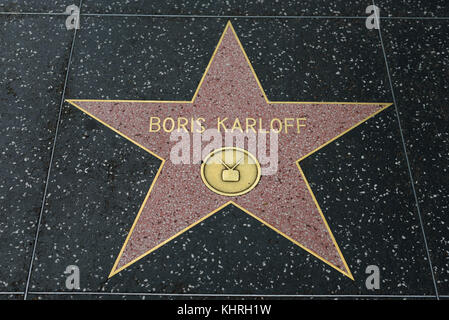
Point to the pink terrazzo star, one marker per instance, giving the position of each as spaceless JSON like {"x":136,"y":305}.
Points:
{"x":178,"y":199}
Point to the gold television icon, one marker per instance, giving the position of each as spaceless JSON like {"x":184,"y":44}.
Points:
{"x":230,"y":175}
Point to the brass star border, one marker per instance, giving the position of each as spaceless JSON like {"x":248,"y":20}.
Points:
{"x":114,"y":270}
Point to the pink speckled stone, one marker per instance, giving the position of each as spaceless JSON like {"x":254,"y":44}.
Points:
{"x":180,"y":198}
